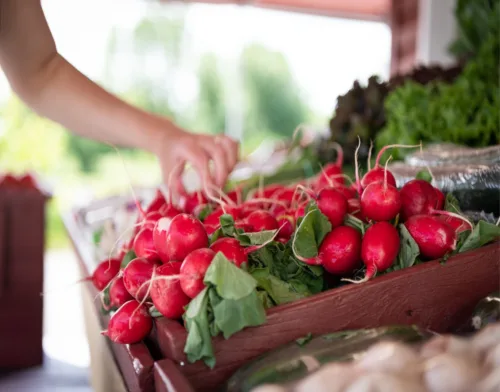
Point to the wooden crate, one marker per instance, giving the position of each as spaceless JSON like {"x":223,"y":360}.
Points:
{"x":22,"y":224}
{"x":430,"y":295}
{"x":134,"y":360}
{"x":168,"y":378}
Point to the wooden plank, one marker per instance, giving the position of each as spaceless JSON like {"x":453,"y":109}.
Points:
{"x":168,"y":378}
{"x":430,"y":295}
{"x":134,"y":361}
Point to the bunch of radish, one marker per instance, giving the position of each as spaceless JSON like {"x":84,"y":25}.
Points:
{"x":174,"y":244}
{"x":172,"y":253}
{"x":445,"y":363}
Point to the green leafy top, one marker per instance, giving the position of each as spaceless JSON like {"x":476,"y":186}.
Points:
{"x":228,"y":304}
{"x":230,"y":281}
{"x":310,"y":233}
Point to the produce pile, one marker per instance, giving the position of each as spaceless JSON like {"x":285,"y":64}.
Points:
{"x":219,"y":262}
{"x":431,"y":104}
{"x":445,"y":363}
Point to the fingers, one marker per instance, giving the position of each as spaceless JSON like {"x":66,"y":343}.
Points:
{"x":217,"y":153}
{"x":224,"y":152}
{"x":231,"y":148}
{"x":200,"y":160}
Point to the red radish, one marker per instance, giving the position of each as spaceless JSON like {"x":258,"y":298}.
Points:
{"x":261,"y":220}
{"x":135,"y":274}
{"x":349,"y":193}
{"x":277,"y":210}
{"x":268,"y":191}
{"x":166,"y":294}
{"x":434,"y":237}
{"x":457,"y":224}
{"x":339,"y":253}
{"x":287,"y":224}
{"x":169,"y":211}
{"x":147,"y":221}
{"x":236,"y":195}
{"x":185,"y":234}
{"x":440,"y":199}
{"x":247,"y":209}
{"x":193,"y":200}
{"x":104,"y":273}
{"x":288,"y":195}
{"x":418,"y":197}
{"x":241,"y":224}
{"x":333,"y":205}
{"x":130,"y":324}
{"x":300,"y":211}
{"x":377,"y":174}
{"x":233,"y":251}
{"x":380,"y":202}
{"x":118,"y":293}
{"x":144,"y":246}
{"x":379,"y":249}
{"x":353,"y":205}
{"x":193,"y":270}
{"x":332,"y":172}
{"x":157,"y":203}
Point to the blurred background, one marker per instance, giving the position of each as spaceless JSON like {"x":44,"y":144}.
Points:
{"x":252,"y":72}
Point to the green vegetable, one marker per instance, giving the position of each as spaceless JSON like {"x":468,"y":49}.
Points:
{"x":246,"y":239}
{"x":229,"y":281}
{"x":408,"y":252}
{"x":482,"y":234}
{"x":476,"y":21}
{"x":451,"y":204}
{"x":311,"y":231}
{"x":463,"y":112}
{"x":358,"y":224}
{"x":207,"y":210}
{"x":228,"y":304}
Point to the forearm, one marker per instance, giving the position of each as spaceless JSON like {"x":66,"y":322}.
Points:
{"x":66,"y":96}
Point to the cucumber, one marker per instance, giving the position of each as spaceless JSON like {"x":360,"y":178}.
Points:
{"x":295,"y":360}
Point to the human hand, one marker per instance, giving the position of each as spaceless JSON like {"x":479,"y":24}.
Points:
{"x":177,"y":147}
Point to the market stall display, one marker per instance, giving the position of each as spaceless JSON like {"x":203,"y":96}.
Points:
{"x":275,"y":259}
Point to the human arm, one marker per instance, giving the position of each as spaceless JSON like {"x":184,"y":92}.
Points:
{"x":53,"y":88}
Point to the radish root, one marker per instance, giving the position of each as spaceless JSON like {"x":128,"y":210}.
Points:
{"x":370,"y":155}
{"x":356,"y":168}
{"x":458,"y":216}
{"x":384,"y":149}
{"x":370,"y":273}
{"x":385,"y":171}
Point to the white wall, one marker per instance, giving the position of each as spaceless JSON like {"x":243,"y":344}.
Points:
{"x":436,"y":30}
